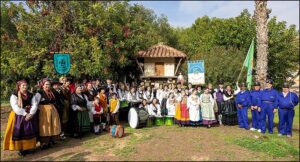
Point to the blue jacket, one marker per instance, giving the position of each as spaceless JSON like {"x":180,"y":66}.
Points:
{"x":243,"y":98}
{"x":256,"y":97}
{"x":270,"y":95}
{"x":288,"y":102}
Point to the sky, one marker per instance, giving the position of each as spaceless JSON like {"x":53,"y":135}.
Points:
{"x":184,"y":13}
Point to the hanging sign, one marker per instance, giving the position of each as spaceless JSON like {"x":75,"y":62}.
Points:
{"x":62,"y":63}
{"x":196,"y":72}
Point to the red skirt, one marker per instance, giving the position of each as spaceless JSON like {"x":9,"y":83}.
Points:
{"x":185,"y":118}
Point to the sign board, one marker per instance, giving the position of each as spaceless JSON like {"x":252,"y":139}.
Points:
{"x":196,"y":72}
{"x":62,"y":63}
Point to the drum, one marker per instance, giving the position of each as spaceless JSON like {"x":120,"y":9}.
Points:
{"x":169,"y":120}
{"x":159,"y":121}
{"x":117,"y":131}
{"x":123,"y":104}
{"x":151,"y":121}
{"x":137,"y":117}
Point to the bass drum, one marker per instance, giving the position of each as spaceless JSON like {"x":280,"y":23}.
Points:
{"x":137,"y":117}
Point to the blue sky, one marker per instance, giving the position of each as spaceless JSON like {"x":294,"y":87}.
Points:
{"x":184,"y":13}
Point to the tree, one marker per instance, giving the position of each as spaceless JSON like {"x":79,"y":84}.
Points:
{"x":261,"y":17}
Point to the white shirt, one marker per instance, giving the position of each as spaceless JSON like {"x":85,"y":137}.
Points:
{"x":151,"y":109}
{"x":20,"y":111}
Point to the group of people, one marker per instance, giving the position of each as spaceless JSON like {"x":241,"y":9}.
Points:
{"x":61,"y":106}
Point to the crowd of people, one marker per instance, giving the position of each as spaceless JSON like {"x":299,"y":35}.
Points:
{"x":61,"y":107}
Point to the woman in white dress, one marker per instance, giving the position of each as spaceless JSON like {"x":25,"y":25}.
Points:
{"x":193,"y":105}
{"x":207,"y":108}
{"x":148,"y":95}
{"x":154,"y":108}
{"x":171,"y":105}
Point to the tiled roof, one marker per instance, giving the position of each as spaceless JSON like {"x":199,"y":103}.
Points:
{"x":161,"y":50}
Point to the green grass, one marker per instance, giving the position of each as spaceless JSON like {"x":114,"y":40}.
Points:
{"x":125,"y":152}
{"x":271,"y":145}
{"x":276,"y":118}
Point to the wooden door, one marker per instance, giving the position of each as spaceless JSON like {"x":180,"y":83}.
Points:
{"x":159,"y":69}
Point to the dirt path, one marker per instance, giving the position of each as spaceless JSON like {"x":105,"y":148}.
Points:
{"x":155,"y":143}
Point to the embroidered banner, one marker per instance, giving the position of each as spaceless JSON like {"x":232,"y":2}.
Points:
{"x":196,"y":72}
{"x":62,"y":63}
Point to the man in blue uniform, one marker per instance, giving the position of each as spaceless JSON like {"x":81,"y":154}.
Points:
{"x":255,"y":107}
{"x":269,"y":103}
{"x":243,"y":101}
{"x":286,"y":102}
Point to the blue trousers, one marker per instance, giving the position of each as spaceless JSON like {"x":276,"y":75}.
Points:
{"x":286,"y":117}
{"x":256,"y":119}
{"x":267,"y":109}
{"x":243,"y":117}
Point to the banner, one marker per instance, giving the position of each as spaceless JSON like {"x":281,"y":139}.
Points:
{"x":196,"y":72}
{"x":62,"y":63}
{"x":249,"y":64}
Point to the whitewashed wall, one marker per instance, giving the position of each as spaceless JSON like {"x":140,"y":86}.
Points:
{"x":149,"y":66}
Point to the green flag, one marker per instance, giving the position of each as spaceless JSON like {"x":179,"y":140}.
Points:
{"x":249,"y":64}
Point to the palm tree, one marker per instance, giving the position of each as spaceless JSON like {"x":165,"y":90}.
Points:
{"x":261,"y":16}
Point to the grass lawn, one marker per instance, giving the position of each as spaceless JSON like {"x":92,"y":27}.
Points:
{"x":172,"y":143}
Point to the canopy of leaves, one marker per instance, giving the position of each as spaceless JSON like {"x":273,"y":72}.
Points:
{"x":104,"y":36}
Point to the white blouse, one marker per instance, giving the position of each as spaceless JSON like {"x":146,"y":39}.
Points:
{"x":20,"y":111}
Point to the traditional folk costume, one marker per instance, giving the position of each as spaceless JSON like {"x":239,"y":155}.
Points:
{"x":132,"y":96}
{"x":21,"y":134}
{"x":178,"y":110}
{"x":148,"y":96}
{"x":103,"y":103}
{"x":219,"y":96}
{"x":165,"y":94}
{"x":193,"y":105}
{"x":90,"y":94}
{"x":67,"y":99}
{"x":171,"y":106}
{"x":229,"y":111}
{"x":184,"y":115}
{"x":154,"y":110}
{"x":96,"y":109}
{"x":80,"y":119}
{"x":159,"y":95}
{"x":114,"y":105}
{"x":49,"y":121}
{"x":140,"y":95}
{"x":207,"y":104}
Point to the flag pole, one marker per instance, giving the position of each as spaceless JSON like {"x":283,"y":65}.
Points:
{"x":244,"y":61}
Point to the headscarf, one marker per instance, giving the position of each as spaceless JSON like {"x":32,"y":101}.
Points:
{"x":42,"y":82}
{"x":50,"y":93}
{"x":19,"y":83}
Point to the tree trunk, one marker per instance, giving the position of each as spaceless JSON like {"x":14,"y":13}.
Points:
{"x":261,"y":16}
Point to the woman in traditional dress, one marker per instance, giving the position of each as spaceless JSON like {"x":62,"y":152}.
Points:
{"x":207,"y":104}
{"x":154,"y":108}
{"x":193,"y":106}
{"x":159,"y":93}
{"x":49,"y":121}
{"x":67,"y":99}
{"x":90,"y":94}
{"x":184,"y":113}
{"x":229,"y":112}
{"x":163,"y":103}
{"x":178,"y":109}
{"x":148,"y":95}
{"x":80,"y":115}
{"x":103,"y":103}
{"x":140,"y":93}
{"x":97,"y":111}
{"x":171,"y":105}
{"x":22,"y":127}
